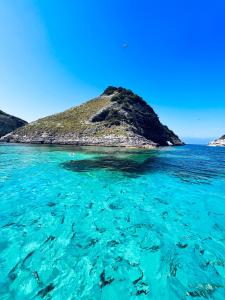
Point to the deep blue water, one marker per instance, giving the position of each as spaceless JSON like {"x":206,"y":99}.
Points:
{"x":103,"y":223}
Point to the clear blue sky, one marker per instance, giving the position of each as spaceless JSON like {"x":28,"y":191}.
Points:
{"x":55,"y":54}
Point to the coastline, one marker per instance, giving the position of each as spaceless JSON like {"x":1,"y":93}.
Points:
{"x":77,"y":144}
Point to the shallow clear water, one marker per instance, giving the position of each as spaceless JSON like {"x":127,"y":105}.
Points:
{"x":99,"y":223}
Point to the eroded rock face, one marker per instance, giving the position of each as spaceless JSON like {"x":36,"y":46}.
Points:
{"x":218,"y":142}
{"x":118,"y":117}
{"x":9,"y":123}
{"x":130,"y":109}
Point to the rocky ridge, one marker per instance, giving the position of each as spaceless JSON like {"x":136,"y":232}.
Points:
{"x":9,"y":123}
{"x":118,"y":117}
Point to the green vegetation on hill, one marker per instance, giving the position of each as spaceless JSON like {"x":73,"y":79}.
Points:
{"x":75,"y":118}
{"x":117,"y":117}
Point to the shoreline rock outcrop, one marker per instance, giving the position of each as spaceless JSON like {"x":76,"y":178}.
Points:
{"x":118,"y":117}
{"x":218,"y":142}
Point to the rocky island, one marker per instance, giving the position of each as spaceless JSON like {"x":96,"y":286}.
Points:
{"x":9,"y":123}
{"x":118,"y":117}
{"x":218,"y":142}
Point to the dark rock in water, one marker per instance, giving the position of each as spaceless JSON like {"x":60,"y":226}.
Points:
{"x":50,"y":238}
{"x":126,"y":166}
{"x":182,"y":245}
{"x":28,"y":256}
{"x":9,"y":123}
{"x":218,"y":142}
{"x":42,"y":293}
{"x":118,"y":117}
{"x":203,"y":290}
{"x":105,"y":281}
{"x":51,"y":204}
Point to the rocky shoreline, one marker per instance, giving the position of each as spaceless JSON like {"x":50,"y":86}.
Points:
{"x":219,"y":142}
{"x":70,"y":139}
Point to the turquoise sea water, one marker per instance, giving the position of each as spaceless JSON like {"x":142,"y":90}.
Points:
{"x":103,"y":223}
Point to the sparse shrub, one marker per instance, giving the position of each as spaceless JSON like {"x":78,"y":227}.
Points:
{"x":109,"y":90}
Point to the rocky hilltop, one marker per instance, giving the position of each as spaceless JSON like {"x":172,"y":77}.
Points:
{"x":118,"y":117}
{"x":218,"y":142}
{"x":9,"y":123}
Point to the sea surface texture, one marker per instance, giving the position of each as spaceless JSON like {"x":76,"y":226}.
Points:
{"x":103,"y":223}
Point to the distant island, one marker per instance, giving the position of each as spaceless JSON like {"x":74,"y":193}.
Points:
{"x":9,"y":123}
{"x":218,"y":142}
{"x":118,"y":117}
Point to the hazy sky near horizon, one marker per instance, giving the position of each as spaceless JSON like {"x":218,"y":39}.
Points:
{"x":56,"y":54}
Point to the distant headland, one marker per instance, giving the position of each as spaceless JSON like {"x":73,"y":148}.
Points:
{"x":218,"y":142}
{"x":9,"y":123}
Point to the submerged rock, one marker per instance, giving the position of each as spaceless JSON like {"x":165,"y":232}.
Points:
{"x":118,"y":117}
{"x":218,"y":142}
{"x":9,"y":123}
{"x":203,"y":290}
